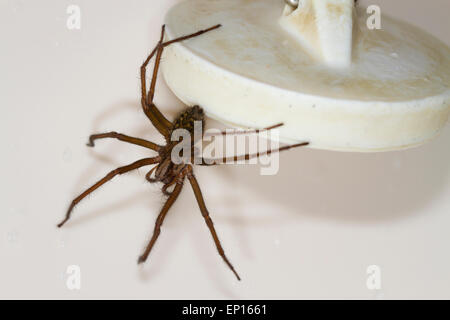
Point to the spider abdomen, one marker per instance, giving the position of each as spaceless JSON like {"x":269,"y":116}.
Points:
{"x":186,"y":120}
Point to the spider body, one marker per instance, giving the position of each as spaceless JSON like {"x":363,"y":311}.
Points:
{"x":165,"y":170}
{"x":186,"y":120}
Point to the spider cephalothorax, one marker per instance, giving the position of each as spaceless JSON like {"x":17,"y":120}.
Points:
{"x":172,"y":174}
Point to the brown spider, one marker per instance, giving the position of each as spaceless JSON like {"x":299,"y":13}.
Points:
{"x":166,"y":171}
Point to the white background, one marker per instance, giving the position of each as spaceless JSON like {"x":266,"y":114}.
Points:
{"x":309,"y":232}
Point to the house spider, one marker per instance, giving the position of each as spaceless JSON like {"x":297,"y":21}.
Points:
{"x":166,"y":171}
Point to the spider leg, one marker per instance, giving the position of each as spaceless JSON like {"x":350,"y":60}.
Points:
{"x":108,"y":177}
{"x":156,"y":117}
{"x":208,"y":220}
{"x":224,"y":160}
{"x":159,"y":221}
{"x":255,"y":131}
{"x":167,"y":186}
{"x":125,"y":138}
{"x":193,"y":35}
{"x":148,"y":176}
{"x":160,"y":49}
{"x":151,"y":111}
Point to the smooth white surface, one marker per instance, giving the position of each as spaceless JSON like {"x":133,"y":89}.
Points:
{"x":309,"y":232}
{"x":252,"y":73}
{"x":324,"y":28}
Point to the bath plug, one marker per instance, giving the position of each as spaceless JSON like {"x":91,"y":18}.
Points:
{"x":314,"y":66}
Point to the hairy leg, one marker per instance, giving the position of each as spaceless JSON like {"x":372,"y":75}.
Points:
{"x":159,"y":221}
{"x":167,"y":186}
{"x":224,"y":160}
{"x":148,"y":176}
{"x":234,"y":131}
{"x":192,"y":35}
{"x":208,"y":220}
{"x":108,"y":177}
{"x":159,"y":50}
{"x":152,"y":112}
{"x":156,"y":117}
{"x":125,"y":138}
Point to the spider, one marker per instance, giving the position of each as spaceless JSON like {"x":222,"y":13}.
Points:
{"x":165,"y":170}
